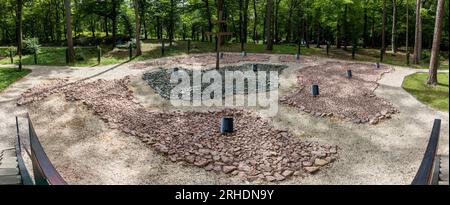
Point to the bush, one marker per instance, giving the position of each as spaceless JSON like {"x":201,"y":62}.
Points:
{"x":30,"y":46}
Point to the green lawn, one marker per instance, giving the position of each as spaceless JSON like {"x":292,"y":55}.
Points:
{"x":434,"y":96}
{"x":10,"y":75}
{"x":152,"y":49}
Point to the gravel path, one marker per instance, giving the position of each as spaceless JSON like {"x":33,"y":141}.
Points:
{"x":92,"y":153}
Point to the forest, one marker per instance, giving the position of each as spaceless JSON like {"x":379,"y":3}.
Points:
{"x":393,"y":26}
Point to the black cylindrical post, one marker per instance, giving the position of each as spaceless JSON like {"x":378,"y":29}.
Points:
{"x":226,"y":125}
{"x":254,"y":67}
{"x":378,"y":65}
{"x":314,"y":90}
{"x":162,"y":47}
{"x":349,"y":73}
{"x":221,"y":55}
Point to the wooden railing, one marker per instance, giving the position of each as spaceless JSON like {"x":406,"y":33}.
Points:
{"x":43,"y":170}
{"x":428,"y":173}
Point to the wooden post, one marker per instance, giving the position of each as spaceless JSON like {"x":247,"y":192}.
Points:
{"x":130,"y":47}
{"x":328,"y":48}
{"x":99,"y":54}
{"x":67,"y":56}
{"x":35,"y":57}
{"x":189,"y":46}
{"x":162,"y":47}
{"x":11,"y":56}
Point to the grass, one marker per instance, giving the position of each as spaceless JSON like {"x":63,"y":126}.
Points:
{"x":434,"y":96}
{"x":10,"y":75}
{"x":152,"y":49}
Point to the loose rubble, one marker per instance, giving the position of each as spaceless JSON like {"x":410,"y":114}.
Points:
{"x":159,"y":80}
{"x":255,"y":151}
{"x":351,"y":99}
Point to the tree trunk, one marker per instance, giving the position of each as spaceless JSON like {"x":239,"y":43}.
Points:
{"x":417,"y":46}
{"x":19,"y":31}
{"x":372,"y":31}
{"x":365,"y":28}
{"x":407,"y":33}
{"x":208,"y":14}
{"x":269,"y":13}
{"x":289,"y":23}
{"x":70,"y":50}
{"x":275,"y":24}
{"x":138,"y":28}
{"x":255,"y":33}
{"x":246,"y":20}
{"x":434,"y":61}
{"x":114,"y":21}
{"x":394,"y":13}
{"x":171,"y":22}
{"x":383,"y":29}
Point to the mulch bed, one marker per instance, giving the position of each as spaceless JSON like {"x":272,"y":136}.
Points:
{"x":256,"y":150}
{"x":352,"y":99}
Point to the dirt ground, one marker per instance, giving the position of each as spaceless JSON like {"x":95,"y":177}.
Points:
{"x":87,"y":151}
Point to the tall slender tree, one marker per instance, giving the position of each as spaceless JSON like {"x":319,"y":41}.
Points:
{"x":19,"y":31}
{"x":407,"y":32}
{"x":383,"y":29}
{"x":138,"y":27}
{"x":418,"y":34}
{"x":70,"y":50}
{"x":268,"y":20}
{"x":434,"y":61}
{"x":394,"y":24}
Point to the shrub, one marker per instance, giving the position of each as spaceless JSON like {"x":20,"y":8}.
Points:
{"x":30,"y":46}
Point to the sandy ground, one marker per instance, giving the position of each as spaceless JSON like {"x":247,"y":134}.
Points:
{"x":91,"y":153}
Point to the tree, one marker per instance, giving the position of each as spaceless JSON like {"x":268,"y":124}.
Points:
{"x":434,"y":62}
{"x":407,"y":33}
{"x":70,"y":50}
{"x":138,"y":27}
{"x":418,"y":34}
{"x":383,"y":28}
{"x":393,"y":37}
{"x":268,"y":20}
{"x":19,"y":31}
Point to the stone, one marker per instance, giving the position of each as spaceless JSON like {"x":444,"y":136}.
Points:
{"x":307,"y":163}
{"x":279,"y":177}
{"x":311,"y":169}
{"x":287,"y":173}
{"x":228,"y":169}
{"x":320,"y":162}
{"x":270,"y":178}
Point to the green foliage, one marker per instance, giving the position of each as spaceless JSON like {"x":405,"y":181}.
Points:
{"x":31,"y":46}
{"x":434,"y":96}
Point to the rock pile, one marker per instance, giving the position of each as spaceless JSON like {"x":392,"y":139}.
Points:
{"x":159,"y":79}
{"x":255,"y":151}
{"x":351,"y":99}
